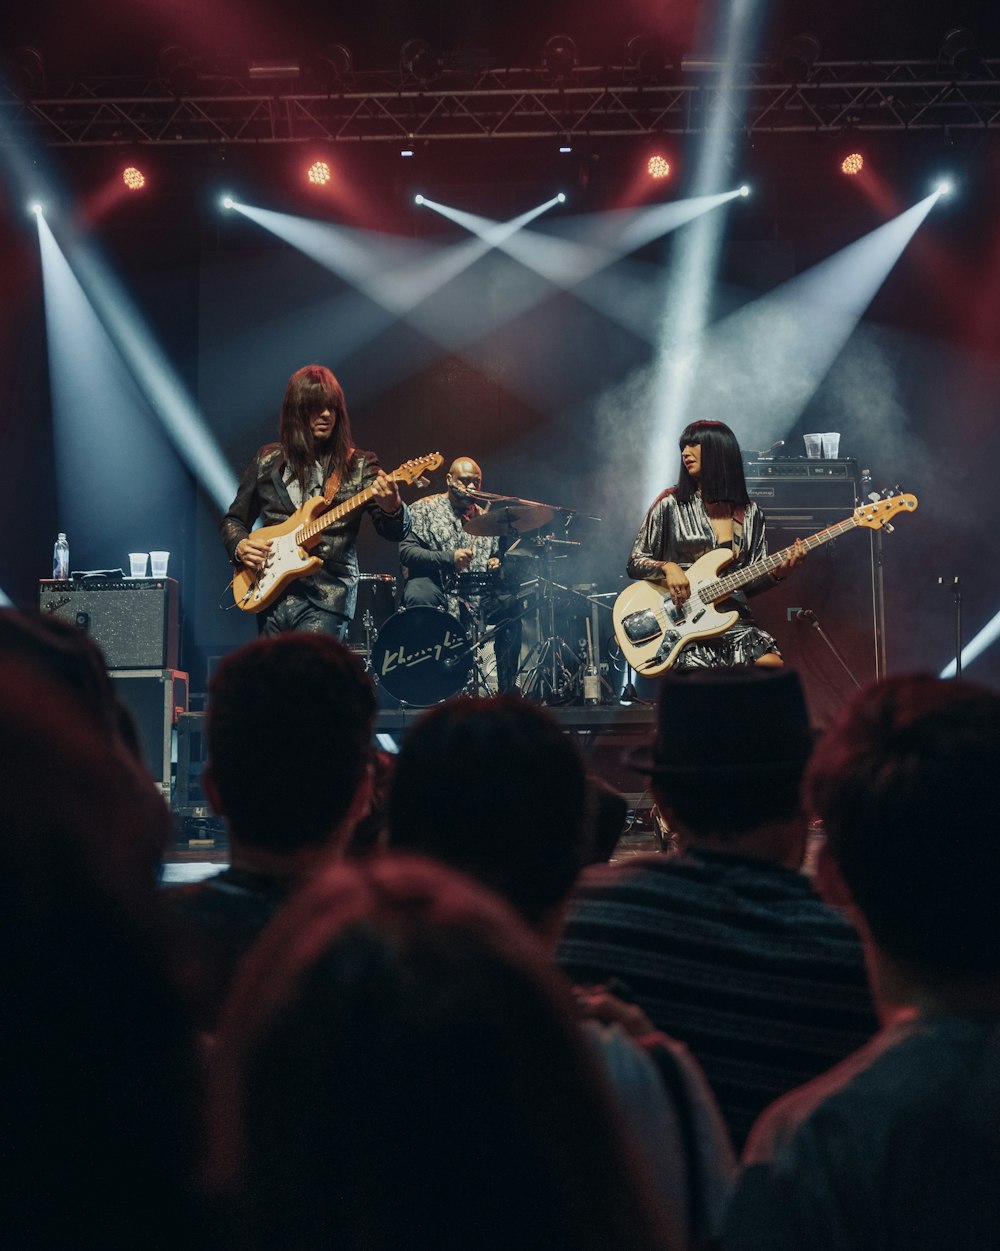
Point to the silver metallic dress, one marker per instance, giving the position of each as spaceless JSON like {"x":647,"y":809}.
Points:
{"x":680,"y":533}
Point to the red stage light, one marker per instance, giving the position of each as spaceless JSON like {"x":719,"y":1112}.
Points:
{"x":658,"y":166}
{"x":133,"y":178}
{"x":319,"y":173}
{"x":854,"y":163}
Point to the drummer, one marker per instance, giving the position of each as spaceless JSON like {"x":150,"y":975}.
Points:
{"x":438,"y":551}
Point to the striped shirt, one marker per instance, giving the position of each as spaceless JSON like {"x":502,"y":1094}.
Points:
{"x":738,"y":958}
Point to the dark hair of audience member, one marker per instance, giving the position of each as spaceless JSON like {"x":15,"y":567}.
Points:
{"x":289,"y":730}
{"x":369,"y":833}
{"x":495,"y":788}
{"x":98,"y":1085}
{"x":69,"y":657}
{"x":905,"y":783}
{"x":605,"y":812}
{"x":728,"y":805}
{"x":404,"y":1069}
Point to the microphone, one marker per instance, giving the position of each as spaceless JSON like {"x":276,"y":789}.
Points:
{"x":768,"y":450}
{"x":807,"y":614}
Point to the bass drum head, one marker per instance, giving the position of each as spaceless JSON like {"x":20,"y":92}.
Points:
{"x":421,"y":656}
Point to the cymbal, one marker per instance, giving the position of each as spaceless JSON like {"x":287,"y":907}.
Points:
{"x":508,"y":517}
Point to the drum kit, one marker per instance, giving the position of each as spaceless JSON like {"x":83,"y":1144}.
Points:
{"x":423,"y":655}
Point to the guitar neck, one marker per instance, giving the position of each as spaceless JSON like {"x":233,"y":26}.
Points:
{"x":327,"y":519}
{"x":739,"y":578}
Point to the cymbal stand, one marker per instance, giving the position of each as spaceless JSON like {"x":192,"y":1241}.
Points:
{"x":478,"y":684}
{"x":552,"y":669}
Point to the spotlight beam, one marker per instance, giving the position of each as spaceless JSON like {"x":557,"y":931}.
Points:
{"x":986,"y":637}
{"x":152,"y":373}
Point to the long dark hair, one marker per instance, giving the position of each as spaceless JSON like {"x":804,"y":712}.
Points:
{"x":722,"y":479}
{"x":309,"y":391}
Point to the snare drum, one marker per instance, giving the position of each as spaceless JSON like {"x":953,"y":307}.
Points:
{"x":376,"y":601}
{"x":422,"y":656}
{"x":481,"y":582}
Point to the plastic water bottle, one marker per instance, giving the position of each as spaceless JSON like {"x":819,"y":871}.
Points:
{"x":60,"y":558}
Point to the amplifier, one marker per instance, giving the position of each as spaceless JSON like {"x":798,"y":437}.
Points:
{"x":156,"y":699}
{"x":806,"y":495}
{"x":134,"y":621}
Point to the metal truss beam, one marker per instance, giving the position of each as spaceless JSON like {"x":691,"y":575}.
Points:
{"x":508,"y":104}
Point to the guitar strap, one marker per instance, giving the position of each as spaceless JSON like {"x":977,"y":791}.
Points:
{"x":739,"y":513}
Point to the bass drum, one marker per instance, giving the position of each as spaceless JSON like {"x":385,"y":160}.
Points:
{"x":422,"y":656}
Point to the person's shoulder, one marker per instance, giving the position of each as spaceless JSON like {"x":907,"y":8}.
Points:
{"x":266,"y":456}
{"x":666,"y":497}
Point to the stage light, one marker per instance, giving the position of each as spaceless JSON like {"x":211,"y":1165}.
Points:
{"x":418,"y":199}
{"x":798,"y":57}
{"x":227,"y":201}
{"x":319,"y":174}
{"x":565,"y":149}
{"x":559,"y":56}
{"x":744,"y":191}
{"x":658,"y":166}
{"x":945,"y":187}
{"x":176,"y":68}
{"x":25,"y":73}
{"x":959,"y":56}
{"x":133,"y":178}
{"x":406,"y":152}
{"x":332,"y":68}
{"x":416,"y":60}
{"x":852,"y":164}
{"x":36,"y":208}
{"x":649,"y":58}
{"x":561,"y":197}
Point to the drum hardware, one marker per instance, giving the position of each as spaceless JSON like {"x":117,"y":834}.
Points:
{"x":376,"y":598}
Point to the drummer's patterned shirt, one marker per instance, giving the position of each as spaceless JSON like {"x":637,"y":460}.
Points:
{"x":428,"y":554}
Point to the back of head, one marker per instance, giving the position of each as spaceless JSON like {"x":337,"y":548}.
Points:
{"x":409,"y":1069}
{"x":730,"y":749}
{"x":98,"y":1081}
{"x":905,"y":783}
{"x":494,"y":788}
{"x":289,"y":732}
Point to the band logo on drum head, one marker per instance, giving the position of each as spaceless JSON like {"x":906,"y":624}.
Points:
{"x":422,"y":656}
{"x":403,"y":659}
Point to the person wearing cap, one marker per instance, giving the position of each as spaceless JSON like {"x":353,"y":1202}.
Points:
{"x":726,"y":945}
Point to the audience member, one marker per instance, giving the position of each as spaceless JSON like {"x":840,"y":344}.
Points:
{"x":397,"y":1065}
{"x":899,"y":1145}
{"x":727,"y":946}
{"x":99,"y":1087}
{"x":514,"y":818}
{"x":289,"y":729}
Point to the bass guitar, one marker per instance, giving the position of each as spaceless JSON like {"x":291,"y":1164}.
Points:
{"x":292,"y":540}
{"x":652,"y":630}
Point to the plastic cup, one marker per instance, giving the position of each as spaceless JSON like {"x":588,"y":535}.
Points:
{"x":814,"y":446}
{"x":137,"y":564}
{"x":831,"y":444}
{"x":158,"y":563}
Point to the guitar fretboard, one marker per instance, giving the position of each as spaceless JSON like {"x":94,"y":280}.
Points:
{"x":740,"y":578}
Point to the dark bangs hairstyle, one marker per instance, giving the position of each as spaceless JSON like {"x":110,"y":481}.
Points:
{"x":309,"y":391}
{"x":722,"y":479}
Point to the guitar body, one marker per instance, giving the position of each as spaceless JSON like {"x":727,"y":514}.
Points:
{"x":287,"y":560}
{"x":652,"y":630}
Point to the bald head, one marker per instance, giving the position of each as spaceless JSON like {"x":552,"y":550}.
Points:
{"x":464,"y":475}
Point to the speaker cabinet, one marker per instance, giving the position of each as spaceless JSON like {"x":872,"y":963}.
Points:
{"x":823,"y":617}
{"x":155,"y":699}
{"x":134,"y":621}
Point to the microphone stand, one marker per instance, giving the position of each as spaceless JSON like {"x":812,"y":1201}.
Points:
{"x":956,"y":591}
{"x":807,"y":614}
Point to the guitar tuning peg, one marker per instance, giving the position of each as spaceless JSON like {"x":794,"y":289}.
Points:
{"x":888,"y":527}
{"x":422,"y":482}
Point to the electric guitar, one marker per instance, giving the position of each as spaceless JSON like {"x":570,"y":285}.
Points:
{"x":652,"y":630}
{"x":292,"y":540}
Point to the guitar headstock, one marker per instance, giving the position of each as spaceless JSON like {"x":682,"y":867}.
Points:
{"x":411,"y":470}
{"x":875,"y":513}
